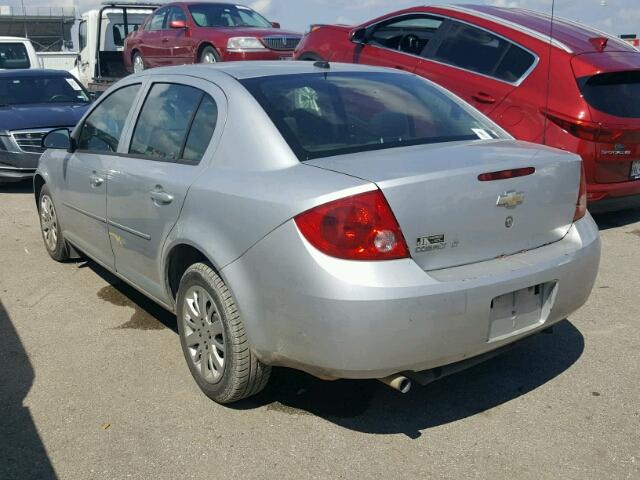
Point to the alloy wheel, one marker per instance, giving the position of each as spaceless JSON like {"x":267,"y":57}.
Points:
{"x":48,"y":223}
{"x":204,"y":334}
{"x":138,"y":64}
{"x":209,"y":57}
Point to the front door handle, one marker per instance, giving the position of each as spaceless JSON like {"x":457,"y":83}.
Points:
{"x":160,"y":197}
{"x":482,"y":97}
{"x":96,"y":180}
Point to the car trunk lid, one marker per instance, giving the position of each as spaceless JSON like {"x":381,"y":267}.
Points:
{"x":449,"y":217}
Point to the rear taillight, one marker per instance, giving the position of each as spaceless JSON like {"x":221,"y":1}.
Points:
{"x":581,"y":204}
{"x":594,"y":132}
{"x":360,"y":227}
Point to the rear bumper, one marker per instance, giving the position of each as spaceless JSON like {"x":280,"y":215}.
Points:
{"x":597,"y":192}
{"x":344,"y":319}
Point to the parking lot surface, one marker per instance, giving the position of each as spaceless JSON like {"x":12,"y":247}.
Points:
{"x":93,"y":385}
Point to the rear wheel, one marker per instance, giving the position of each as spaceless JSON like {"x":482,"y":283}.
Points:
{"x":138,"y":63}
{"x":209,"y":55}
{"x":50,"y":227}
{"x":214,"y":340}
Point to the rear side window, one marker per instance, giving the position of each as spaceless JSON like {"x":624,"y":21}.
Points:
{"x":482,"y":52}
{"x":13,"y":55}
{"x":613,"y":93}
{"x":325,"y":114}
{"x":103,"y":127}
{"x":176,"y":122}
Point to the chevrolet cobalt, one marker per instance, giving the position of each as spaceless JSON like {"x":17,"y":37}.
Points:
{"x":349,"y":221}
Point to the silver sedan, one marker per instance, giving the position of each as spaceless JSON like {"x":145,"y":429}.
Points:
{"x":348,"y":221}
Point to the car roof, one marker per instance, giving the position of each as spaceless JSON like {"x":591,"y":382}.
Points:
{"x":33,"y":73}
{"x":253,"y":69}
{"x":573,"y":37}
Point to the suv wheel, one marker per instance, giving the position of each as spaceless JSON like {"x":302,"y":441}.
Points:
{"x":209,"y":55}
{"x":213,"y":338}
{"x":50,"y":227}
{"x":138,"y":63}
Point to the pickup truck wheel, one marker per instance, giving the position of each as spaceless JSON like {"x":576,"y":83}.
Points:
{"x":209,"y":55}
{"x":138,"y":63}
{"x":214,"y":340}
{"x":50,"y":227}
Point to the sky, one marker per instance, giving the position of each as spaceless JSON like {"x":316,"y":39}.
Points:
{"x":613,"y":16}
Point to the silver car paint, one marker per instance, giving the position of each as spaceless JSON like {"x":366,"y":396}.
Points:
{"x":301,"y":307}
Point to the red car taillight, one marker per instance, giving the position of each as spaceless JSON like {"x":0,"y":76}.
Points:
{"x":595,"y":132}
{"x":581,"y":204}
{"x":360,"y":227}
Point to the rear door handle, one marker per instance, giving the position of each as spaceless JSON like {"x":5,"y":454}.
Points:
{"x":96,"y":180}
{"x":160,"y":197}
{"x":482,"y":97}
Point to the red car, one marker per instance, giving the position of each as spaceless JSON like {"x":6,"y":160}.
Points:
{"x":183,"y":33}
{"x":500,"y":60}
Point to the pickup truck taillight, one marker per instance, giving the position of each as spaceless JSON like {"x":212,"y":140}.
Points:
{"x":360,"y":227}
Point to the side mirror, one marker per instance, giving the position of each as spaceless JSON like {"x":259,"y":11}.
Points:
{"x":94,"y":95}
{"x":177,"y":24}
{"x":275,"y":24}
{"x":60,"y":139}
{"x":359,"y":36}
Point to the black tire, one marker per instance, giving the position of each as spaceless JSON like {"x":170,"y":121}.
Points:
{"x":208,"y":50}
{"x":242,"y":374}
{"x":50,"y":229}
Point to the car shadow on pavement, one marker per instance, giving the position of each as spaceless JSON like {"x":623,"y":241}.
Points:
{"x":369,"y":406}
{"x":25,"y":186}
{"x":22,"y":453}
{"x":622,"y":218}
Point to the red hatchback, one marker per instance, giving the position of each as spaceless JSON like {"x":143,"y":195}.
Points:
{"x":184,"y":33}
{"x":499,"y":60}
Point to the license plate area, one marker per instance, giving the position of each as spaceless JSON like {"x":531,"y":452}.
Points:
{"x":521,"y":310}
{"x":635,"y":170}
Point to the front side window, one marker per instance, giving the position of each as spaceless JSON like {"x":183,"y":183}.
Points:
{"x":226,"y":15}
{"x":482,"y":52}
{"x":45,"y":89}
{"x":326,"y":114}
{"x":176,"y":13}
{"x":157,"y":21}
{"x":82,"y":35}
{"x":13,"y":56}
{"x":103,"y":127}
{"x":408,"y":34}
{"x":166,"y":119}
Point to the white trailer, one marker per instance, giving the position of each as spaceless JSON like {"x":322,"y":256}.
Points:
{"x":101,"y":35}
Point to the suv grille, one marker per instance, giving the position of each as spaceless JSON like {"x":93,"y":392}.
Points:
{"x":281,"y":42}
{"x":30,"y":141}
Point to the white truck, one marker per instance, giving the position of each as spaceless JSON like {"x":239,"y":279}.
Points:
{"x":17,"y":52}
{"x":101,"y":35}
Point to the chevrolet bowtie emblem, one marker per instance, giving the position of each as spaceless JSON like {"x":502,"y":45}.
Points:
{"x":510,"y":199}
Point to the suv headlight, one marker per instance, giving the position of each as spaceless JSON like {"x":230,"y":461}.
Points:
{"x":242,"y":44}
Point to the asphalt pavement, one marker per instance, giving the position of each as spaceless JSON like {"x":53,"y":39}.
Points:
{"x":93,"y":385}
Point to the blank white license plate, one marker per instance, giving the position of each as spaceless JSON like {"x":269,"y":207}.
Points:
{"x":635,"y":170}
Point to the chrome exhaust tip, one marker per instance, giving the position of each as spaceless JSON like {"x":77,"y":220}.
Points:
{"x":397,"y":382}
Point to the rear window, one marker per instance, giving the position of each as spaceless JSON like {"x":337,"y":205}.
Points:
{"x":613,"y":93}
{"x":13,"y":55}
{"x":326,"y":114}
